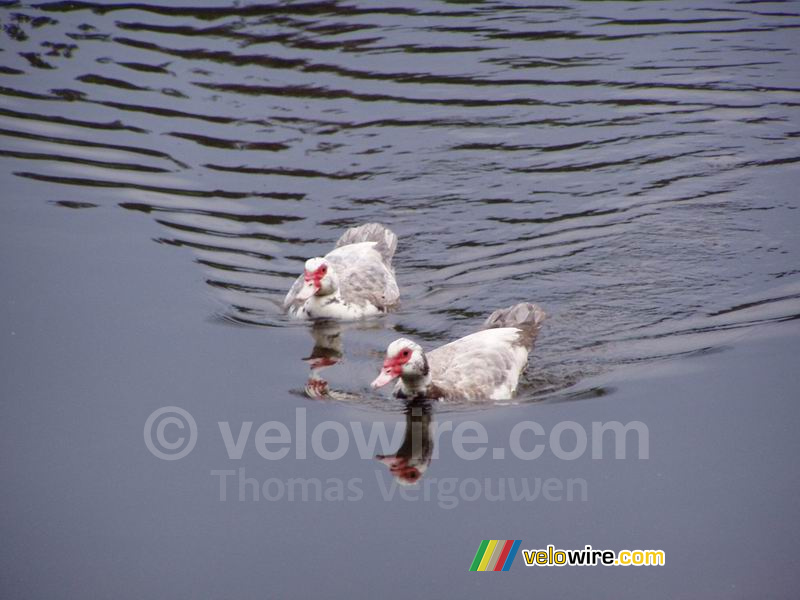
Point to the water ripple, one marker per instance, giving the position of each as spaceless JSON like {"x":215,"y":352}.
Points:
{"x":627,"y":165}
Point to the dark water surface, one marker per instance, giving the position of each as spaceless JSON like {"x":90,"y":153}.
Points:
{"x":631,"y":166}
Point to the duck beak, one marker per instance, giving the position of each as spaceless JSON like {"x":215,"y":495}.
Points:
{"x":309,"y":289}
{"x":385,"y":377}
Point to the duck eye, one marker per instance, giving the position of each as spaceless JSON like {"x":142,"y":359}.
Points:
{"x":405,"y":353}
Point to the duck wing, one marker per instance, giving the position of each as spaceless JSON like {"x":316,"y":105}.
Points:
{"x":293,"y":291}
{"x":364,"y":276}
{"x":483,"y":365}
{"x":384,"y":238}
{"x":488,"y":364}
{"x":525,"y":316}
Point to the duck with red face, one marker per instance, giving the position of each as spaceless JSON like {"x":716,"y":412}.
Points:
{"x":353,"y":281}
{"x":485,"y":365}
{"x":318,"y":279}
{"x":405,"y":359}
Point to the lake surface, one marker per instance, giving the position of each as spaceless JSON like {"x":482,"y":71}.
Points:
{"x":632,"y":167}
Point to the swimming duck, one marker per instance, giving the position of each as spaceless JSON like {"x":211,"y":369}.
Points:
{"x":482,"y":366}
{"x":355,"y":280}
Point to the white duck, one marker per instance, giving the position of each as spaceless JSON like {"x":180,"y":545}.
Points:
{"x":353,"y":281}
{"x":483,"y":365}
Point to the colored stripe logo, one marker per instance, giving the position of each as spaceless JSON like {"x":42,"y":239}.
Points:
{"x":495,"y":555}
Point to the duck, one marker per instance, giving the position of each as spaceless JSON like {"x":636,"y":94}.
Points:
{"x":353,"y":281}
{"x":485,"y":365}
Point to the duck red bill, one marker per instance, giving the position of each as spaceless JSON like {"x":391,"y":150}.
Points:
{"x":385,"y":377}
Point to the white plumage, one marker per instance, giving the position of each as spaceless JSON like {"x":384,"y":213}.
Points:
{"x":482,"y":366}
{"x":353,"y":281}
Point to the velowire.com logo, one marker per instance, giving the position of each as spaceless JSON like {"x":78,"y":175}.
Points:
{"x":495,"y":555}
{"x":498,"y":555}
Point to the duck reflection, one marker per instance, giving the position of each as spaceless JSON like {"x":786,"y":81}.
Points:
{"x":413,"y":457}
{"x":409,"y":463}
{"x":327,"y":352}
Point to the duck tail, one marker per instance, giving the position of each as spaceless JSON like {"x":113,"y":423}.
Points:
{"x":525,"y":316}
{"x":384,"y":238}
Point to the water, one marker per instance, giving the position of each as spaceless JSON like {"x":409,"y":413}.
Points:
{"x":614,"y":162}
{"x":630,"y":166}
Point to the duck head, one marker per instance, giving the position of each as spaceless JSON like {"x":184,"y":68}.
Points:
{"x":319,"y":279}
{"x":404,"y":359}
